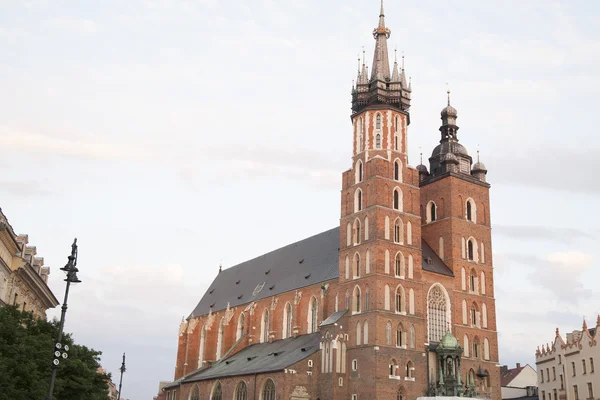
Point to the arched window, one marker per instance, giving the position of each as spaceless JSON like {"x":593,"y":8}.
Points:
{"x":347,"y":267}
{"x":474,"y":315}
{"x":347,"y":299}
{"x":388,"y":333}
{"x":348,"y":234}
{"x":396,"y":142}
{"x":471,"y":249}
{"x":466,"y":345}
{"x":356,"y":302}
{"x":264,"y":327}
{"x":465,"y":315}
{"x":412,"y":336}
{"x":471,"y":214}
{"x":220,"y":339}
{"x":398,"y":231}
{"x":358,"y":333}
{"x":195,"y":395}
{"x":357,"y":200}
{"x":378,"y":121}
{"x":410,"y":370}
{"x":287,"y":321}
{"x":356,"y":236}
{"x":241,"y":391}
{"x":386,"y":293}
{"x":368,"y":262}
{"x":410,"y":266}
{"x":366,"y":333}
{"x":473,"y":281}
{"x":366,"y":228}
{"x":378,"y":141}
{"x":400,"y":306}
{"x":217,"y":392}
{"x":386,"y":262}
{"x":387,"y":228}
{"x":463,"y":279}
{"x":400,"y":336}
{"x":476,"y":348}
{"x":486,"y":350}
{"x":484,"y":315}
{"x":268,"y":392}
{"x":356,"y":265}
{"x":408,"y":233}
{"x":202,"y":345}
{"x":397,"y":199}
{"x":240,"y":327}
{"x":367,"y":299}
{"x":399,"y":263}
{"x":312,"y":314}
{"x":471,"y":377}
{"x":393,"y":367}
{"x":397,"y":171}
{"x":438,"y":312}
{"x":431,"y":212}
{"x":396,"y":123}
{"x":411,"y":301}
{"x":359,"y":172}
{"x":462,"y":248}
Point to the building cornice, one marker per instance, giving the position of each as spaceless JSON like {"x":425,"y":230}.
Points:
{"x":459,"y":175}
{"x":37,"y":284}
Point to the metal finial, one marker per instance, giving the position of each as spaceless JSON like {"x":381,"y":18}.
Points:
{"x":395,"y":55}
{"x":220,"y":267}
{"x":477,"y":152}
{"x":358,"y":63}
{"x":381,"y":11}
{"x":421,"y":154}
{"x":403,"y":60}
{"x":363,"y":55}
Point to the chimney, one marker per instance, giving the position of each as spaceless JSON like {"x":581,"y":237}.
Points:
{"x":518,"y":365}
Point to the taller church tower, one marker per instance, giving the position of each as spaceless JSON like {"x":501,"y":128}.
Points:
{"x":418,"y":286}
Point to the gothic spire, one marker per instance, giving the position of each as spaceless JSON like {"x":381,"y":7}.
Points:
{"x":395,"y":74}
{"x":403,"y":79}
{"x":381,"y":63}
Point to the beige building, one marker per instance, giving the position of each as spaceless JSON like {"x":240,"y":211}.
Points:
{"x":566,"y":369}
{"x":23,"y":276}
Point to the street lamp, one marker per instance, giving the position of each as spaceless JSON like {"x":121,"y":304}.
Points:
{"x":122,"y":369}
{"x":71,"y":271}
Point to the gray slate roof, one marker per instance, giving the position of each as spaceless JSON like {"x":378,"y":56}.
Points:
{"x":261,"y":358}
{"x":333,"y":318}
{"x":437,"y":265}
{"x":304,"y":263}
{"x":297,"y":265}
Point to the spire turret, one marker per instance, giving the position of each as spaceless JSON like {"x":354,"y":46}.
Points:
{"x":381,"y":64}
{"x":403,"y":77}
{"x":395,"y":74}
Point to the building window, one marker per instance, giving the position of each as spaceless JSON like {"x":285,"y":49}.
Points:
{"x":356,"y":299}
{"x":264,"y":333}
{"x":397,"y":170}
{"x":576,"y":392}
{"x":312,"y":312}
{"x":433,"y":211}
{"x":573,"y":366}
{"x":354,"y":365}
{"x":357,"y":200}
{"x":268,"y":392}
{"x":591,"y":365}
{"x":471,"y":210}
{"x":543,"y":395}
{"x":397,"y":199}
{"x":437,"y":313}
{"x":590,"y":390}
{"x":410,"y":370}
{"x":476,"y":350}
{"x":553,"y":373}
{"x":562,"y":382}
{"x":400,"y":306}
{"x":473,"y":281}
{"x":359,"y":172}
{"x":217,"y":393}
{"x":241,"y":391}
{"x":195,"y":393}
{"x":400,"y":336}
{"x":378,"y":141}
{"x":240,"y":327}
{"x":347,"y":300}
{"x":398,"y":231}
{"x":367,"y":299}
{"x":555,"y":394}
{"x":542,"y":375}
{"x":471,"y":250}
{"x":400,"y":265}
{"x":388,"y":333}
{"x":356,"y":230}
{"x":393,"y":367}
{"x":220,"y":338}
{"x":548,"y":375}
{"x":378,"y":121}
{"x":584,"y":366}
{"x":559,"y":359}
{"x":412,"y":336}
{"x":287,"y":321}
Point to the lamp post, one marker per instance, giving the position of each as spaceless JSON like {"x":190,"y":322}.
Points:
{"x":71,"y":271}
{"x":122,"y":369}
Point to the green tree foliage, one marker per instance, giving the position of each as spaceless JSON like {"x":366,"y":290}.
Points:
{"x":26,"y":347}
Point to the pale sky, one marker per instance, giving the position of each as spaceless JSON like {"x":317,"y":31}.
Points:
{"x":172,"y":135}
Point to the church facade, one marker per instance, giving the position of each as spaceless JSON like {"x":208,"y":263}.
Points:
{"x":395,"y":303}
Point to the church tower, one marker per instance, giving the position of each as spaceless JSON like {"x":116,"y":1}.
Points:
{"x":380,"y":246}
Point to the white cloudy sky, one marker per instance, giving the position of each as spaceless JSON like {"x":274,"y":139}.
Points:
{"x":171,"y":135}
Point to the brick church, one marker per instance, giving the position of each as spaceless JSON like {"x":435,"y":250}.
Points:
{"x":395,"y":303}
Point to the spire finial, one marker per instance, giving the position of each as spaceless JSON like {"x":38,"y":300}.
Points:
{"x":402,"y":60}
{"x":421,"y":154}
{"x":448,"y":91}
{"x":363,"y":49}
{"x":359,"y":63}
{"x":220,"y":267}
{"x":478,"y":161}
{"x":381,"y":14}
{"x":396,"y":54}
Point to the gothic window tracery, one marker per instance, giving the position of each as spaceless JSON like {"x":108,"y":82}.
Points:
{"x":241,"y":391}
{"x":195,"y":393}
{"x":217,"y":393}
{"x":437,"y":307}
{"x":268,"y":392}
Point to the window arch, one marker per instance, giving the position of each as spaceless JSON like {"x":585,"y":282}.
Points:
{"x":408,"y":233}
{"x":240,"y":327}
{"x":356,"y":265}
{"x":410,"y":266}
{"x":397,"y":203}
{"x":388,"y":333}
{"x":465,"y":314}
{"x":410,"y":370}
{"x":398,"y":231}
{"x":367,"y":299}
{"x":474,"y":315}
{"x":366,"y":332}
{"x":397,"y":170}
{"x":347,"y":299}
{"x":358,"y":333}
{"x":195,"y":395}
{"x":472,"y":249}
{"x":217,"y":392}
{"x":378,"y":121}
{"x":466,"y":345}
{"x":387,"y":228}
{"x":463,"y":279}
{"x":386,"y":293}
{"x":378,"y":141}
{"x":356,"y":232}
{"x":287,"y":321}
{"x":358,"y":177}
{"x":471,"y":214}
{"x":431,"y":211}
{"x":366,"y":228}
{"x":368,"y":261}
{"x":386,"y":262}
{"x":358,"y":200}
{"x":268,"y":392}
{"x":411,"y":301}
{"x":473,"y":281}
{"x":476,"y":348}
{"x":400,"y":336}
{"x":202,"y":346}
{"x":347,"y":267}
{"x":264,"y":327}
{"x":486,"y":349}
{"x":400,"y":300}
{"x":438,"y":310}
{"x":393,"y":368}
{"x":348,"y":234}
{"x":412,"y":336}
{"x":356,"y":300}
{"x":220,"y":339}
{"x":313,"y":308}
{"x":484,"y":315}
{"x":396,"y":142}
{"x":399,"y":265}
{"x":241,"y":391}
